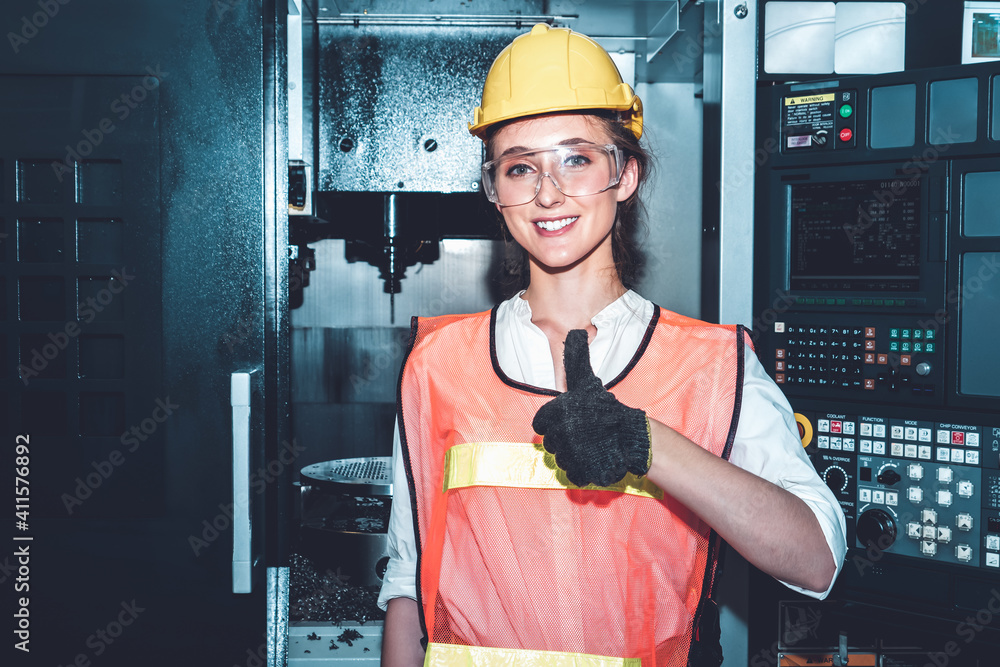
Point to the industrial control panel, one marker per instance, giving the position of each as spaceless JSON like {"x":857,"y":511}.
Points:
{"x":877,"y":312}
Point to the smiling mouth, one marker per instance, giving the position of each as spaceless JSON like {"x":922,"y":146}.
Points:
{"x":556,"y":225}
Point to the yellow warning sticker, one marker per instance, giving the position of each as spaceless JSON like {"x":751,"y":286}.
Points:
{"x":811,"y":99}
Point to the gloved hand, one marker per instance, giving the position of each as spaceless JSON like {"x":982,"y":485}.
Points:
{"x":595,"y":438}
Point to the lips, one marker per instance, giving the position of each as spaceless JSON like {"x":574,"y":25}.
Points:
{"x":557,"y":224}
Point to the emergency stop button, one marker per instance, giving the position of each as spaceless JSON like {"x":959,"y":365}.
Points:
{"x":846,"y":134}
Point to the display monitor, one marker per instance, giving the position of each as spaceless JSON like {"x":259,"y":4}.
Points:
{"x":855,"y":236}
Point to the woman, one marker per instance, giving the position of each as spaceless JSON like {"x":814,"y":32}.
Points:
{"x":569,"y":454}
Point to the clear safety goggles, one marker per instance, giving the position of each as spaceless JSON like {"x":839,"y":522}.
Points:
{"x":575,"y":169}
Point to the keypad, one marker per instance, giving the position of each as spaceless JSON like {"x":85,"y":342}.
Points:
{"x":856,"y":358}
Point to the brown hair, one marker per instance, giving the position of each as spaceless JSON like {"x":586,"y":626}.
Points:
{"x":629,"y":220}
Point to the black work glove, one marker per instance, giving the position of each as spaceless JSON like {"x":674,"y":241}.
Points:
{"x":594,"y":438}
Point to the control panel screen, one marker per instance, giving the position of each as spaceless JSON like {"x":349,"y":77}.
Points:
{"x":858,"y":236}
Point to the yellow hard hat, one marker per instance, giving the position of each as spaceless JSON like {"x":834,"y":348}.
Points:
{"x":553,"y":69}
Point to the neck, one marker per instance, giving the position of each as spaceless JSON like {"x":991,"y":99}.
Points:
{"x":569,"y":299}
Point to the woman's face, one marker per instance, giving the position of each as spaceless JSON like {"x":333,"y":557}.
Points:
{"x":559,"y":231}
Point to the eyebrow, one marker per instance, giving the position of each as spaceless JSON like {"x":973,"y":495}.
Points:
{"x":525,"y":149}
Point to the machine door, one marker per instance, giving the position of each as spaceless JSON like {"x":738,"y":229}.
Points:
{"x":139,"y":328}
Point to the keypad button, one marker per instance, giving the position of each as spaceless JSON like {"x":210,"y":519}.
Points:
{"x":904,"y":334}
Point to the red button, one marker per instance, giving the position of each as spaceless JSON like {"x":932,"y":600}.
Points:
{"x":835,"y":426}
{"x":846,"y":134}
{"x":957,"y":438}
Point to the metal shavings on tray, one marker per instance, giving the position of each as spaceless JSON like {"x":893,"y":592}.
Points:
{"x":328,"y":597}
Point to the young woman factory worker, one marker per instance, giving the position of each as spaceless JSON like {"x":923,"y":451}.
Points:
{"x":566,"y":461}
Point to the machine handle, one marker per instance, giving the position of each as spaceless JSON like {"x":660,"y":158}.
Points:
{"x":242,"y":521}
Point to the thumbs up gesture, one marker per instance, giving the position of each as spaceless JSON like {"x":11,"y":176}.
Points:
{"x":595,"y":438}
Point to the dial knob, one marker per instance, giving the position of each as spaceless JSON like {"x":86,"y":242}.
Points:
{"x":888,"y":476}
{"x":876,"y":527}
{"x":923,"y":368}
{"x":836,"y":478}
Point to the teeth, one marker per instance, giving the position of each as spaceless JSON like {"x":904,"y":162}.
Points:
{"x":553,"y":225}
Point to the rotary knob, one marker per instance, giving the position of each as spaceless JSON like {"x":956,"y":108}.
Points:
{"x":835,"y":478}
{"x":876,"y":527}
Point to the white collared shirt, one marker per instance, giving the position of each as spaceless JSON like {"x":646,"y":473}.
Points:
{"x":766,"y":444}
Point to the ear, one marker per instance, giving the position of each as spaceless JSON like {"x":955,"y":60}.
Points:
{"x":629,"y":180}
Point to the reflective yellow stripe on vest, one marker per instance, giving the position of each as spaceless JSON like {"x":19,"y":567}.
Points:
{"x":450,"y":655}
{"x":523,"y":465}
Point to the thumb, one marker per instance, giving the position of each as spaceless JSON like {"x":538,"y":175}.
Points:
{"x":576,"y":361}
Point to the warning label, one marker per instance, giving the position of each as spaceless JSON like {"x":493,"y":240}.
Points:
{"x":808,"y":121}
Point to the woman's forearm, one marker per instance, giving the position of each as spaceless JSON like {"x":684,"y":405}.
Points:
{"x":401,"y":634}
{"x":772,"y":528}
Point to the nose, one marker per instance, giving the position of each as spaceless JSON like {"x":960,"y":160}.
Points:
{"x":547,"y":192}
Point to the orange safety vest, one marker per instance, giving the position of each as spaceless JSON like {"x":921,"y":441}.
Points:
{"x":516,"y":565}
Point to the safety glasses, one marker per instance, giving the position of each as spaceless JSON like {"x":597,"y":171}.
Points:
{"x":575,"y":169}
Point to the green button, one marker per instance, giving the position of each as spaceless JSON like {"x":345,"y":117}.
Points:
{"x":810,"y":301}
{"x":841,"y":302}
{"x":846,"y":110}
{"x":831,"y":302}
{"x":877,"y":302}
{"x":905,"y":347}
{"x":929,"y":348}
{"x":905,"y":334}
{"x":893,"y":333}
{"x":918,"y":347}
{"x":918,"y":334}
{"x":900,"y":302}
{"x":855,"y":302}
{"x":894,"y":346}
{"x":930,"y":334}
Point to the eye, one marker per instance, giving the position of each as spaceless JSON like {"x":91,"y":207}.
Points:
{"x":576,"y":160}
{"x":518,"y":169}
